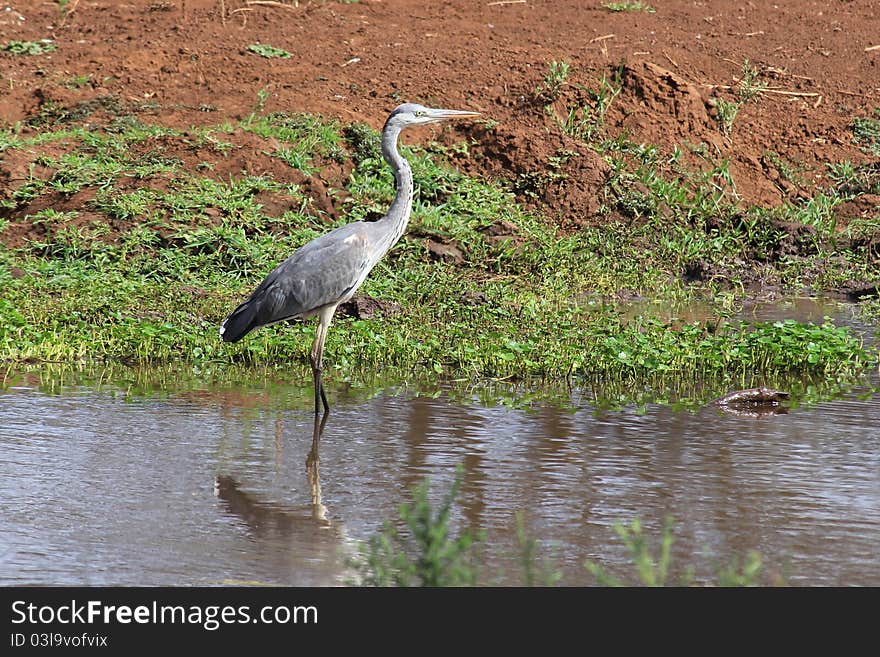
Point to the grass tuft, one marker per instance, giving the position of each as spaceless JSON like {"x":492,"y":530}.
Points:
{"x":617,"y":7}
{"x":866,"y":133}
{"x":40,"y":47}
{"x":267,"y":51}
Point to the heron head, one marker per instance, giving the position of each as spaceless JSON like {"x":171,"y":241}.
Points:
{"x":410,"y":114}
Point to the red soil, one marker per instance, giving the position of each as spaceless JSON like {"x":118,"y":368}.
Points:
{"x":355,"y":61}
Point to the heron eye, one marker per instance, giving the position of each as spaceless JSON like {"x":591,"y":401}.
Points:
{"x":419,"y":113}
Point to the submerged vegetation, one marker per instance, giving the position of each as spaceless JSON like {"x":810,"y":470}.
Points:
{"x":130,"y":243}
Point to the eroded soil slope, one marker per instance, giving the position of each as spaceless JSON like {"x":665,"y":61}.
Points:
{"x":187,"y":62}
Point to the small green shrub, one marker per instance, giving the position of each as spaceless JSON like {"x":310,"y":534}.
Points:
{"x":424,"y":554}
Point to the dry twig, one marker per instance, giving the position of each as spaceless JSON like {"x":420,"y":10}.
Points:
{"x":783,"y":92}
{"x":272,"y":3}
{"x":782,"y":71}
{"x":68,"y":12}
{"x":672,"y":61}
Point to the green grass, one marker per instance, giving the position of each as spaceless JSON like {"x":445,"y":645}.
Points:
{"x":851,"y":180}
{"x":790,"y":171}
{"x":77,"y":81}
{"x":727,"y":113}
{"x":583,"y":121}
{"x":302,"y":137}
{"x":749,"y":87}
{"x":168,"y":250}
{"x":586,"y":122}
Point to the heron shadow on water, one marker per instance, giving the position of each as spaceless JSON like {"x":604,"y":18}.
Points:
{"x":313,"y":463}
{"x":296,"y":541}
{"x":328,"y":270}
{"x":259,"y":513}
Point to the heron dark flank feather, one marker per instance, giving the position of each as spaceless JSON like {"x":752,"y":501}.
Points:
{"x":239,"y":323}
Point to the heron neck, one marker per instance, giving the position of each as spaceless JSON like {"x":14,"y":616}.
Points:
{"x":401,"y":208}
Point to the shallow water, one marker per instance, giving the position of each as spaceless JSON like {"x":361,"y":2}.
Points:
{"x":181,"y":477}
{"x":104,"y":482}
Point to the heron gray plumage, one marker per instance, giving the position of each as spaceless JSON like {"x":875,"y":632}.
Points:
{"x":328,"y":270}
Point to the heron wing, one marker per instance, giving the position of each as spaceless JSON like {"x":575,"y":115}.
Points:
{"x":322,"y":272}
{"x":325,"y":271}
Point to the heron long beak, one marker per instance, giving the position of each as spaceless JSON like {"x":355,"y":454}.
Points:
{"x":442,"y":114}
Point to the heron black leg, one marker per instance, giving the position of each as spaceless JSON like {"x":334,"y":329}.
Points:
{"x":317,"y":390}
{"x":320,"y":396}
{"x":323,"y":397}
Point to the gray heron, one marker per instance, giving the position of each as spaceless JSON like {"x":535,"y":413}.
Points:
{"x":328,"y":270}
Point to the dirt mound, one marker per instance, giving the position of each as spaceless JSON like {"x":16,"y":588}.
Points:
{"x":659,"y":106}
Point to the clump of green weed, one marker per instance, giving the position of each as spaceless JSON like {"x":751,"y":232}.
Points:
{"x":365,"y":143}
{"x":653,"y":569}
{"x":742,"y":571}
{"x":536,"y":570}
{"x":267,"y":51}
{"x":586,"y":122}
{"x":77,"y":81}
{"x":629,"y":6}
{"x":53,"y":113}
{"x":748,"y":88}
{"x":727,"y":113}
{"x":423,"y":552}
{"x":555,"y":78}
{"x":789,"y":171}
{"x":40,"y":47}
{"x":851,"y":180}
{"x":866,"y":133}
